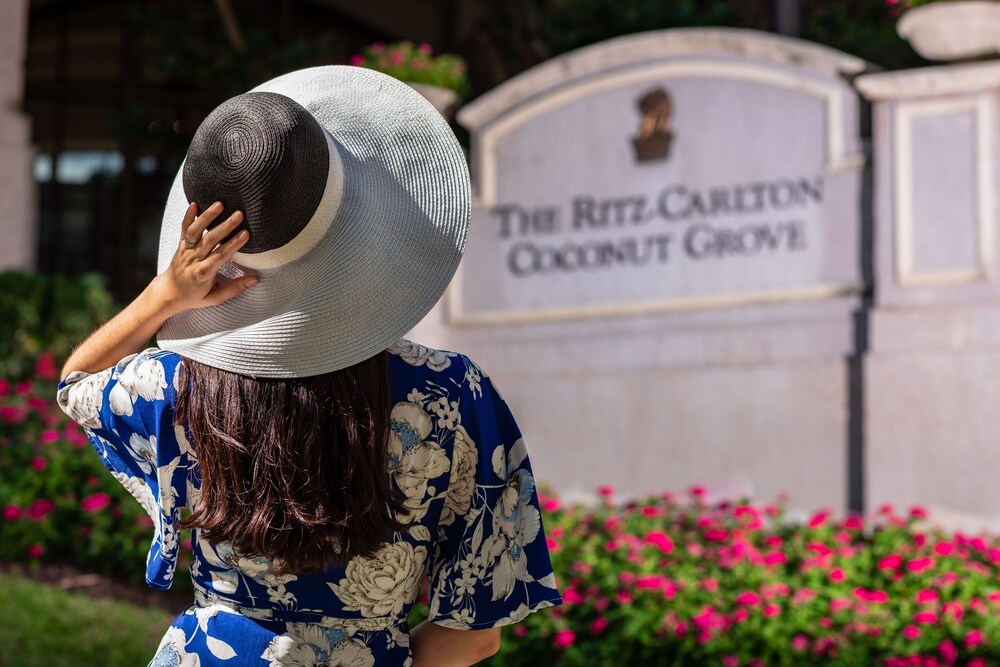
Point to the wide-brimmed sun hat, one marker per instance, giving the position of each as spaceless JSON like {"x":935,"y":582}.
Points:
{"x":356,"y":194}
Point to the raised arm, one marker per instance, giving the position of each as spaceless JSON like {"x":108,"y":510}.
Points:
{"x":189,"y":282}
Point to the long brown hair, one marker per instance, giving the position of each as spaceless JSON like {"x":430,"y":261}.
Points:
{"x":292,"y":469}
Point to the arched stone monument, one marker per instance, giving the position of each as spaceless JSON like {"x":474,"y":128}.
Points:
{"x":665,"y":263}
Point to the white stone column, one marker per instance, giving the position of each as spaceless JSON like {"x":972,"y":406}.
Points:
{"x":17,"y":188}
{"x":933,"y":371}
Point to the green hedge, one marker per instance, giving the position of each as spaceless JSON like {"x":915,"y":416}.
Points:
{"x":47,"y":314}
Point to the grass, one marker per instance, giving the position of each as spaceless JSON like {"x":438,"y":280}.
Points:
{"x":43,"y":626}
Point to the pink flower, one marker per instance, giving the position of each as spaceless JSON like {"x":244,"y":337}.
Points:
{"x":425,"y":49}
{"x":837,"y":604}
{"x":11,"y":513}
{"x":775,"y":558}
{"x":550,"y":504}
{"x":919,"y":564}
{"x":650,"y":582}
{"x":40,"y":508}
{"x":45,"y":367}
{"x":357,"y":60}
{"x":911,"y":632}
{"x":396,"y":58}
{"x":730,"y":661}
{"x":748,"y":599}
{"x":973,"y":638}
{"x":660,"y":540}
{"x":711,"y":585}
{"x":918,"y":512}
{"x":681,"y":629}
{"x":771,"y":610}
{"x":927,"y":596}
{"x":12,"y":415}
{"x":4,"y":387}
{"x":23,"y":388}
{"x":606,"y":491}
{"x":819,"y":518}
{"x":597,"y":627}
{"x":520,"y":630}
{"x":976,"y":662}
{"x":953,"y":609}
{"x":944,"y":548}
{"x":800,"y":643}
{"x":572,"y":596}
{"x":698,"y":491}
{"x":36,"y":550}
{"x":803,"y":595}
{"x":378,"y":47}
{"x":854,"y":522}
{"x":948,"y":651}
{"x":891,"y":562}
{"x":876,"y":597}
{"x":38,"y":463}
{"x":564,"y":638}
{"x":837,"y":574}
{"x":651,"y":510}
{"x":48,"y":437}
{"x":925,"y":617}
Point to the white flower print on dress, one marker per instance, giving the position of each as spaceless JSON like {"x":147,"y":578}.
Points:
{"x":421,"y":355}
{"x":82,"y":396}
{"x":142,"y":376}
{"x":516,"y":521}
{"x":172,"y":653}
{"x":383,"y":584}
{"x":309,"y":645}
{"x":464,"y":462}
{"x":414,"y":460}
{"x":447,"y":412}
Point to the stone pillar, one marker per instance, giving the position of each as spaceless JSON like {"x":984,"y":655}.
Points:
{"x":17,"y":188}
{"x":933,"y":373}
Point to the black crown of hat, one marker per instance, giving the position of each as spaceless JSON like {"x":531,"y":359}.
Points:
{"x":262,"y":154}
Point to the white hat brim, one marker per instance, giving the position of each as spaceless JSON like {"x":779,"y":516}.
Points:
{"x":390,"y":252}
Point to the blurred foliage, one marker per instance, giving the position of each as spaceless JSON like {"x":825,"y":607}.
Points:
{"x":416,"y":64}
{"x":40,"y":313}
{"x":525,"y":32}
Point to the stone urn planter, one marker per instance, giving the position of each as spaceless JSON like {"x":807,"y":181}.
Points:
{"x":952,"y":30}
{"x":444,"y":99}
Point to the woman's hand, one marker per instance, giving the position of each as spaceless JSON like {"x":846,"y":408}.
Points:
{"x":189,"y":281}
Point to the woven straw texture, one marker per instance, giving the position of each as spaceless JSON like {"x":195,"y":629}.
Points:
{"x":388,"y":255}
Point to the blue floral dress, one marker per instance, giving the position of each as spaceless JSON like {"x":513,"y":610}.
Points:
{"x":457,"y":457}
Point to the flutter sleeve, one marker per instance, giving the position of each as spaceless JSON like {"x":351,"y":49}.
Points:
{"x":491,"y":563}
{"x":127,"y":413}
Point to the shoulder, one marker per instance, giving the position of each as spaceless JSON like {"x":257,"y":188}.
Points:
{"x":452,"y":370}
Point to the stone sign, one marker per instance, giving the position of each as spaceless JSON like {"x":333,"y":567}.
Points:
{"x":665,"y":264}
{"x":645,"y":181}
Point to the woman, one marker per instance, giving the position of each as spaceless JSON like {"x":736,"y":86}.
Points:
{"x":327,"y":467}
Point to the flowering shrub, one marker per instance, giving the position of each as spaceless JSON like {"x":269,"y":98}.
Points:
{"x":665,"y":582}
{"x":46,"y":314}
{"x":57,"y":503}
{"x":415,"y":64}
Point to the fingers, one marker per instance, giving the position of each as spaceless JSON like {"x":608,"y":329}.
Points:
{"x":215,"y":236}
{"x":201,"y":223}
{"x":225,"y":292}
{"x":225,"y":251}
{"x":189,"y":216}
